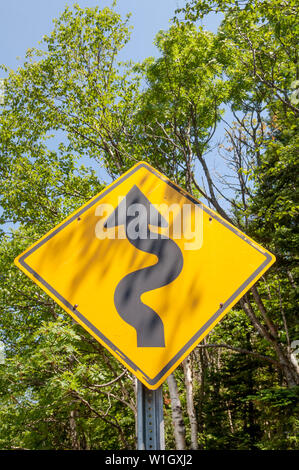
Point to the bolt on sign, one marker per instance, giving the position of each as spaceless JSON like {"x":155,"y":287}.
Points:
{"x":146,"y":269}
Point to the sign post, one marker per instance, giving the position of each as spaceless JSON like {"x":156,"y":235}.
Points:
{"x":150,"y":420}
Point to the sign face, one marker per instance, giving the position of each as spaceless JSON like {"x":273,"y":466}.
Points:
{"x":146,"y":269}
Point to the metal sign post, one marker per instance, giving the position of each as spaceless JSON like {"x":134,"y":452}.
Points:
{"x":150,"y":421}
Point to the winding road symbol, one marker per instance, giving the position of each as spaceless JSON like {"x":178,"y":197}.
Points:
{"x":113,"y":285}
{"x":127,"y":296}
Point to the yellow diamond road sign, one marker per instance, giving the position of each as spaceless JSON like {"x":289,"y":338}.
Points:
{"x":146,"y":269}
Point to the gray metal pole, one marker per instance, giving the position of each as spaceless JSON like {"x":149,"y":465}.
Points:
{"x":150,"y":421}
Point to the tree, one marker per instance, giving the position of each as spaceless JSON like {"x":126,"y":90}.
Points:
{"x":59,"y":388}
{"x":64,"y":390}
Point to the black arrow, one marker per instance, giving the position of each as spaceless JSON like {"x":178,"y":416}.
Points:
{"x":147,"y":323}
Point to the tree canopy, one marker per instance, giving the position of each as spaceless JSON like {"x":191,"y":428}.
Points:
{"x":217,"y":113}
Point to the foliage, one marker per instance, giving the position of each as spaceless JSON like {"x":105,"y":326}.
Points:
{"x":73,"y":107}
{"x":52,"y":369}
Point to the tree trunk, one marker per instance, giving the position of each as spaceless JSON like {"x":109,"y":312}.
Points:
{"x":289,"y":371}
{"x":75,"y":441}
{"x":262,"y":309}
{"x":190,"y":402}
{"x":177,"y":415}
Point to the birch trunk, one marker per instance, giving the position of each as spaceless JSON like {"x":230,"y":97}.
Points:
{"x":190,"y":402}
{"x":177,"y":415}
{"x":73,"y":431}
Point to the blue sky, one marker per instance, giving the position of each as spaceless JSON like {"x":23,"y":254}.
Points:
{"x":24,"y":22}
